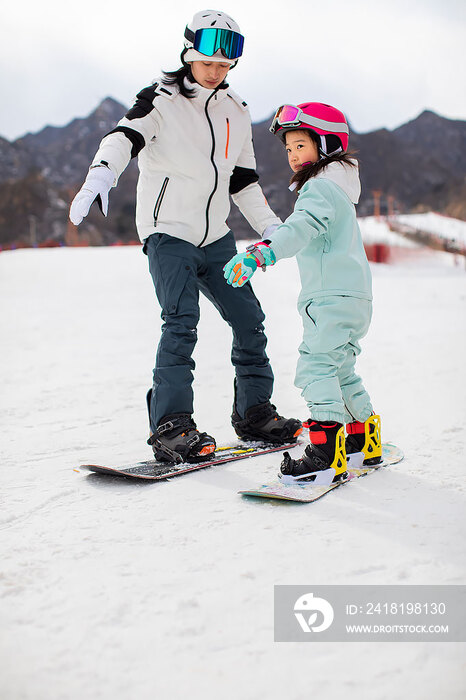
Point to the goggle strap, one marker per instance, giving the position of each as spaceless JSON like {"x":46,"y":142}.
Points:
{"x":189,"y":35}
{"x":302,"y":118}
{"x":333,"y":127}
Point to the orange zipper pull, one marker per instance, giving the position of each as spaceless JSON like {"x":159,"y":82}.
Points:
{"x":228,"y":138}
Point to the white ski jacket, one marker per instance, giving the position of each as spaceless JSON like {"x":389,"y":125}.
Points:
{"x":192,"y":154}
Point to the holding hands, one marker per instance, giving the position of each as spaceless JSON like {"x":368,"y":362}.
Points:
{"x":242,"y":266}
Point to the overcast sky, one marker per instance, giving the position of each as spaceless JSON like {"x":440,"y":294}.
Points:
{"x":381,"y":61}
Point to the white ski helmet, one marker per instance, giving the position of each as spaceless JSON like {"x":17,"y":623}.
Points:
{"x":214,"y":35}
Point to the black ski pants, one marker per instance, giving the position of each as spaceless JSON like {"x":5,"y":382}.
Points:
{"x":180,"y":271}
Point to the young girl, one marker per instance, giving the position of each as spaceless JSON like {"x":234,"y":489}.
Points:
{"x":336,"y":297}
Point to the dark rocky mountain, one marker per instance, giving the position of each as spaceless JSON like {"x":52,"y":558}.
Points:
{"x":419,"y":165}
{"x":62,"y":153}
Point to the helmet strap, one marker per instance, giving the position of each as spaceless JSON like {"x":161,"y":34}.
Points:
{"x":323,"y":150}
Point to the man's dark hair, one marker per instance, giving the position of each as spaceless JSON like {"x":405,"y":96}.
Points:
{"x":176,"y":77}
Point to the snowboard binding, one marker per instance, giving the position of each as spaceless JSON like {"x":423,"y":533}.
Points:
{"x":364,"y":443}
{"x":324,"y":459}
{"x":263,"y":423}
{"x":178,"y":440}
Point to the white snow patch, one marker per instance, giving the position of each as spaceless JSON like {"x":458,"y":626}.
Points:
{"x":113,"y":590}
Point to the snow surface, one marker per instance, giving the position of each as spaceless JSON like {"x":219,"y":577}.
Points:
{"x":111,"y":589}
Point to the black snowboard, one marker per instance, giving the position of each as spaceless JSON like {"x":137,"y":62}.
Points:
{"x":156,"y":471}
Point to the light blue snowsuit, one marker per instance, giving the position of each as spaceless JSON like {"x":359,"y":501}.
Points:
{"x":335,"y":302}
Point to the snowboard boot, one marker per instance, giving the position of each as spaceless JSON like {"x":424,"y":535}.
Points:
{"x":178,"y":440}
{"x":363,"y":442}
{"x":262,"y":423}
{"x":323,"y":461}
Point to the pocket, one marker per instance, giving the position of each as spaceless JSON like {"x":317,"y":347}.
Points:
{"x":170,"y":278}
{"x":308,"y":314}
{"x":159,"y":200}
{"x":151,"y":240}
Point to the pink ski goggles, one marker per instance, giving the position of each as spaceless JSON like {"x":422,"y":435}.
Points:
{"x":289,"y":115}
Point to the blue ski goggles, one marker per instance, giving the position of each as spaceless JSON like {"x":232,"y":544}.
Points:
{"x":209,"y":41}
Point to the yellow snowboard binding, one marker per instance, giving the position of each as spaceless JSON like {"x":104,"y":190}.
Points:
{"x":364,"y":440}
{"x":324,"y":459}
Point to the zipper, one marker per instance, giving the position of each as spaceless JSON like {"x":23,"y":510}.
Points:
{"x":212,"y":152}
{"x":228,"y":138}
{"x":158,"y":203}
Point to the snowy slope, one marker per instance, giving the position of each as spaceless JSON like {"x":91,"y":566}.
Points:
{"x":375,"y":230}
{"x":116,"y":590}
{"x":443,"y":226}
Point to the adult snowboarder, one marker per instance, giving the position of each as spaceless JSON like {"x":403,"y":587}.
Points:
{"x":192,"y":136}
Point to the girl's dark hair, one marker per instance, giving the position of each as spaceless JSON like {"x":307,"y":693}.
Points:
{"x":311,"y":170}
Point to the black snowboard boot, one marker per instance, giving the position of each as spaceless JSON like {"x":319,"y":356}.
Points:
{"x":178,"y":440}
{"x":363,"y":442}
{"x":323,"y":461}
{"x":262,"y":423}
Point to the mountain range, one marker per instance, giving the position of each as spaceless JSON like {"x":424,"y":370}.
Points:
{"x":419,"y":166}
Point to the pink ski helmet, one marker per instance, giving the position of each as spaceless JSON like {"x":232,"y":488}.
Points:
{"x":327,"y":122}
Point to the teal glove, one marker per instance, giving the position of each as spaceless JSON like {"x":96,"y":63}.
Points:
{"x":242,"y":266}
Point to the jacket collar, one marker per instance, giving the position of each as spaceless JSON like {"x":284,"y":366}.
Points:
{"x":345,"y":177}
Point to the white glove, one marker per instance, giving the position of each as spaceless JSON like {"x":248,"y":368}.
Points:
{"x":97,"y":185}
